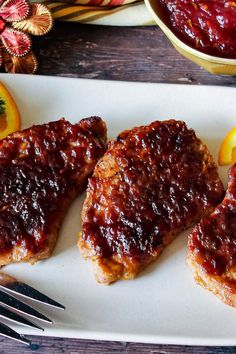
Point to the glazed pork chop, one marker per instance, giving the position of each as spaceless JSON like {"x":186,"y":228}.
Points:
{"x":42,"y":169}
{"x":153,"y":182}
{"x":212,"y":247}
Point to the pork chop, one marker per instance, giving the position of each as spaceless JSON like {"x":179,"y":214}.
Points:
{"x":212,"y":247}
{"x":153,"y":182}
{"x":42,"y":169}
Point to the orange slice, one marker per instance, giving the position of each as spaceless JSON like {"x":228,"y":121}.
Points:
{"x":227,"y":153}
{"x":233,"y":159}
{"x":10,"y":119}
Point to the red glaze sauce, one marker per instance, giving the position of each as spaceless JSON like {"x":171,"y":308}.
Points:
{"x":213,"y":241}
{"x":39,"y":168}
{"x":207,"y":25}
{"x":155,"y":180}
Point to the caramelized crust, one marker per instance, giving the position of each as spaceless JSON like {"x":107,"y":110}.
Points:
{"x":153,"y":182}
{"x":212,"y":247}
{"x":41,"y":171}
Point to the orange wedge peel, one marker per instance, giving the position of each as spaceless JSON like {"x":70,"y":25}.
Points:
{"x":227,"y":153}
{"x":10,"y":119}
{"x":233,"y":159}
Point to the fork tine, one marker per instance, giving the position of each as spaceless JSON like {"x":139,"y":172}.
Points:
{"x":11,"y":284}
{"x":10,"y":333}
{"x":15,"y":304}
{"x":32,"y":294}
{"x":7,"y":314}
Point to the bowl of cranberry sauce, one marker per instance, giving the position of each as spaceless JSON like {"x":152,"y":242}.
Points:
{"x":202,"y":30}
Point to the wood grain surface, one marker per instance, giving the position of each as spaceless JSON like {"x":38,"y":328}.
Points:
{"x":112,"y":53}
{"x":42,"y":345}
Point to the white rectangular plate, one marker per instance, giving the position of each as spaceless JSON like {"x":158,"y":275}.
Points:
{"x":163,"y":304}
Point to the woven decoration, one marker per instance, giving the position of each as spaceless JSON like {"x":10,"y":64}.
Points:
{"x":19,"y":19}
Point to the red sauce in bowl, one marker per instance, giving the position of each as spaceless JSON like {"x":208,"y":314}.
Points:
{"x":207,"y":25}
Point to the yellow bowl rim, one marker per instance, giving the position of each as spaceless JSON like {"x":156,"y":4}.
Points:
{"x":181,"y":44}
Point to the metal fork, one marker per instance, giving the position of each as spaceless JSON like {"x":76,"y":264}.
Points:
{"x":12,"y":309}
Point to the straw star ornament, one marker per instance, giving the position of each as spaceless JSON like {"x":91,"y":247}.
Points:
{"x":19,"y":19}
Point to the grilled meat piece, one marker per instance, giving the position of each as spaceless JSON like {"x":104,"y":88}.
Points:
{"x":42,"y":169}
{"x":153,"y":182}
{"x":212,"y":247}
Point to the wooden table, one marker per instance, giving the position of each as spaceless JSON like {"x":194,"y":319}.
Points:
{"x":112,"y":53}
